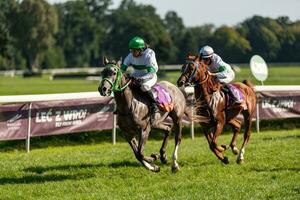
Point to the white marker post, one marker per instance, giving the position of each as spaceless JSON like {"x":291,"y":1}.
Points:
{"x":259,"y":70}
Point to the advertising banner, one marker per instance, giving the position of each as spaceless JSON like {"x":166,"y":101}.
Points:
{"x":279,"y":105}
{"x":59,"y":117}
{"x":13,"y":121}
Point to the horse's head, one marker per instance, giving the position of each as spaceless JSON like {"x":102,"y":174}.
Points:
{"x":111,"y":77}
{"x":190,"y":71}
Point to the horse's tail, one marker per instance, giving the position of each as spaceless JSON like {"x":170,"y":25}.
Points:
{"x":249,"y":84}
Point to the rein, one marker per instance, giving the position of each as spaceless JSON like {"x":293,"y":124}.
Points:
{"x":116,"y":87}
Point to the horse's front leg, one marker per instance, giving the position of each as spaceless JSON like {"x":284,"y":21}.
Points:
{"x":146,"y":161}
{"x":134,"y":146}
{"x":213,"y":144}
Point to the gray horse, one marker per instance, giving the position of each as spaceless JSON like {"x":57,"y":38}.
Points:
{"x":134,"y":118}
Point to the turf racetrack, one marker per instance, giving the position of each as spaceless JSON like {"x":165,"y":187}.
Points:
{"x":103,"y":171}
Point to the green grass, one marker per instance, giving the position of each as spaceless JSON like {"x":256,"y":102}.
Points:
{"x":278,"y":75}
{"x":100,"y":170}
{"x":42,"y":85}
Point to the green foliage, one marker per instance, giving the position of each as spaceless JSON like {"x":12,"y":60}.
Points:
{"x":132,"y":19}
{"x":7,"y":50}
{"x":34,"y":26}
{"x":264,"y":35}
{"x":194,"y":38}
{"x":54,"y":58}
{"x":176,"y":30}
{"x":79,"y":33}
{"x":230,"y":44}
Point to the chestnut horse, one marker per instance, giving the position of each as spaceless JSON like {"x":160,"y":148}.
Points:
{"x":213,"y":110}
{"x":134,"y":118}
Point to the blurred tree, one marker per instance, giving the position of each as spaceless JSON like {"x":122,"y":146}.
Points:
{"x":230,"y":45}
{"x":7,"y":48}
{"x":54,"y":58}
{"x":194,"y":38}
{"x":290,"y":46}
{"x":130,"y":20}
{"x":264,"y":35}
{"x":176,"y":30}
{"x":292,"y":50}
{"x":33,"y":27}
{"x":82,"y":30}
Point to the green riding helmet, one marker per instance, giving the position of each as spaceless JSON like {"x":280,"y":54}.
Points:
{"x":136,"y":43}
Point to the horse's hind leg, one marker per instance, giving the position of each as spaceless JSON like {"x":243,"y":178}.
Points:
{"x":166,"y":127}
{"x":178,"y":134}
{"x":236,"y":127}
{"x":163,"y":149}
{"x":248,"y":123}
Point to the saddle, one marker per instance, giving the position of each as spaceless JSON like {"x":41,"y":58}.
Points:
{"x":162,"y":97}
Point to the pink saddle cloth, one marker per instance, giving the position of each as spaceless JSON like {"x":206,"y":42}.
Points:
{"x":237,"y":93}
{"x":163,"y":99}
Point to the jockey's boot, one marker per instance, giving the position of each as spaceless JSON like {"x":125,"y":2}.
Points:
{"x":233,"y":95}
{"x":153,"y":106}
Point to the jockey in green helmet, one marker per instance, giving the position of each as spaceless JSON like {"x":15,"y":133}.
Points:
{"x":143,"y":60}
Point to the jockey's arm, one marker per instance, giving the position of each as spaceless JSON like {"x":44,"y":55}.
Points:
{"x":124,"y":68}
{"x":150,"y":73}
{"x":221,"y":73}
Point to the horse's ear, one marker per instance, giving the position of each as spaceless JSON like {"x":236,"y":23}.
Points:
{"x":190,"y":57}
{"x":105,"y":60}
{"x":119,"y":62}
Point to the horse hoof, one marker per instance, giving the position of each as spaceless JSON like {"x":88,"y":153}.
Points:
{"x":155,"y":156}
{"x":240,"y":161}
{"x":235,"y":151}
{"x":225,"y":160}
{"x":164,"y":159}
{"x":224,"y":146}
{"x":175,"y":169}
{"x":155,"y":168}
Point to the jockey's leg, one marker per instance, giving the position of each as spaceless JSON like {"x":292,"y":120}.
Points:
{"x":146,"y":86}
{"x":227,"y":88}
{"x":153,"y":105}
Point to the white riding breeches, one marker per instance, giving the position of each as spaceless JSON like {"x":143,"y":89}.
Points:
{"x":149,"y":83}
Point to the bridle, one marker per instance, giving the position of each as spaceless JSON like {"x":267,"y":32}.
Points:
{"x":116,"y":84}
{"x":192,"y":76}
